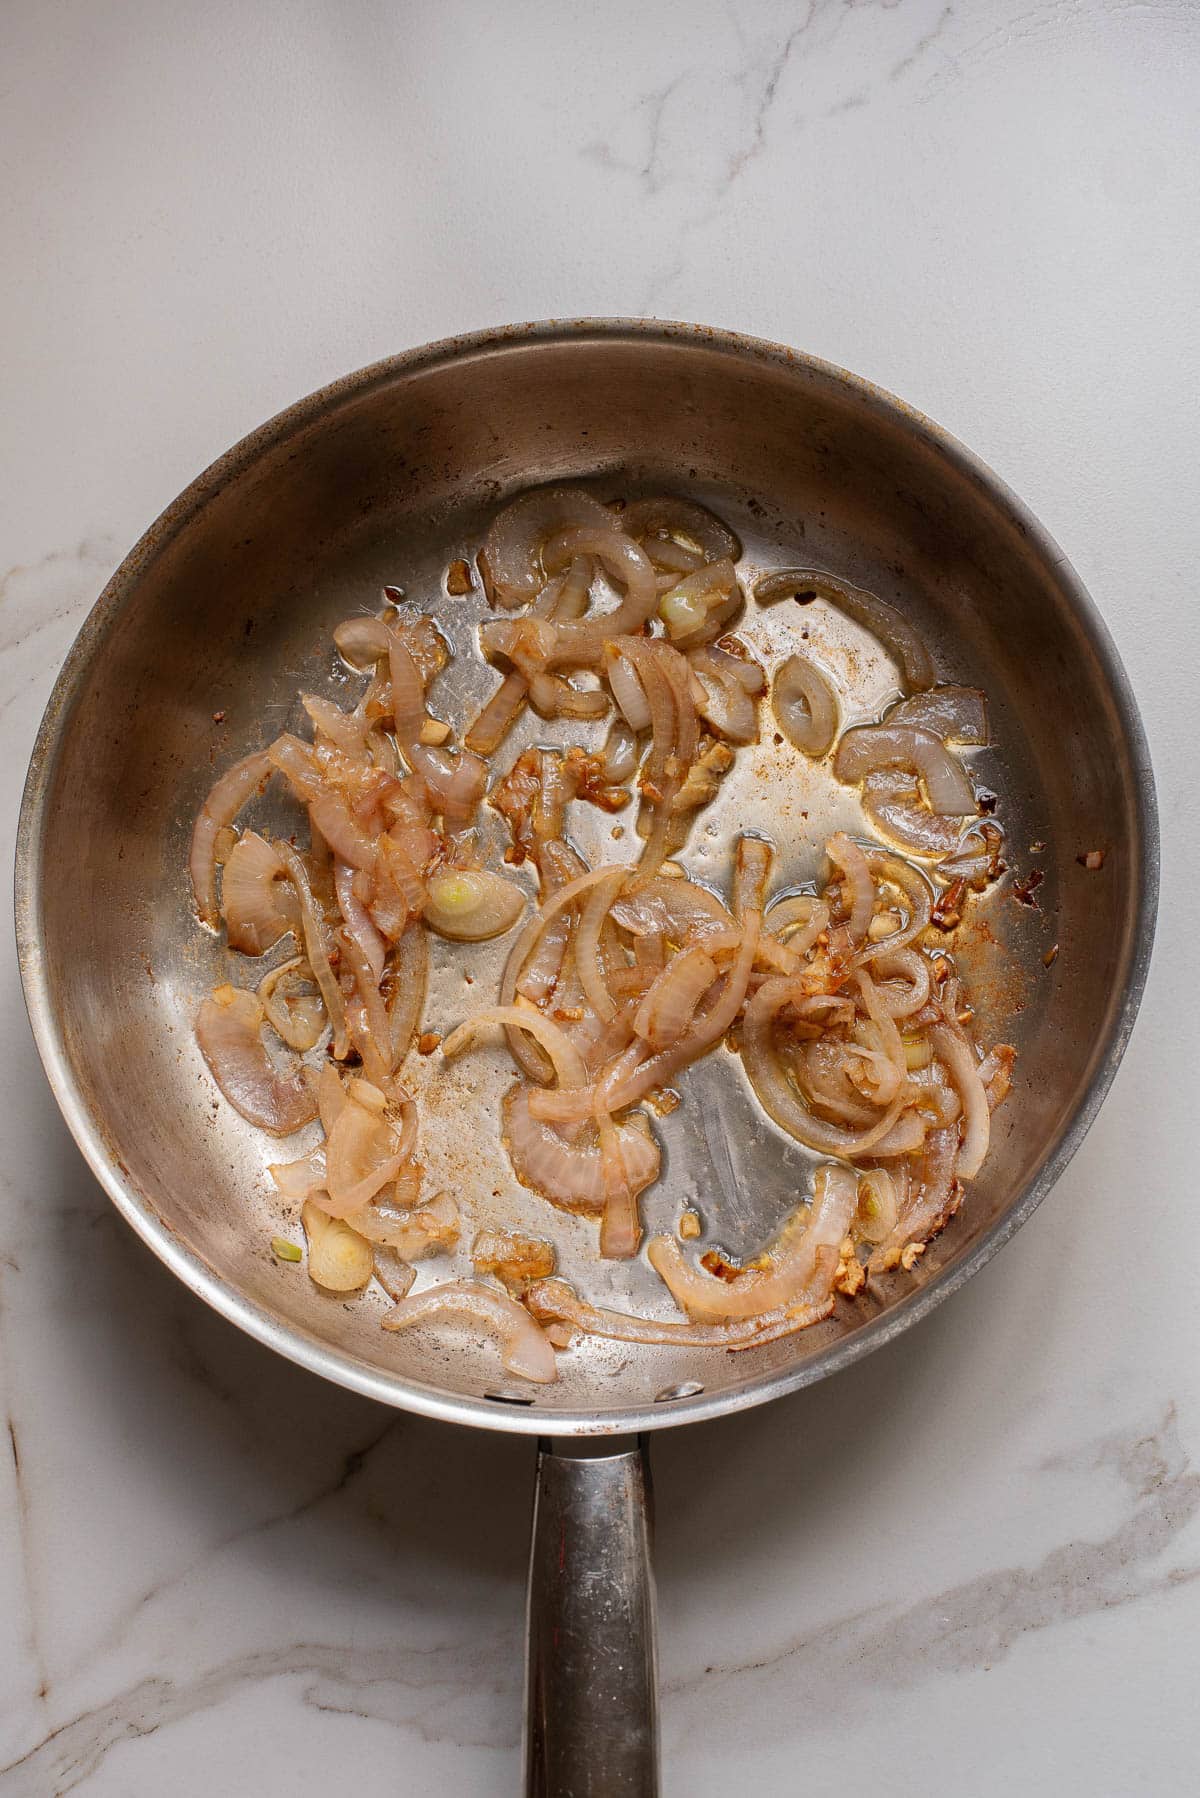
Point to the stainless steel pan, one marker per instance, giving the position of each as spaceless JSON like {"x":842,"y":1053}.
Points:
{"x":200,"y":643}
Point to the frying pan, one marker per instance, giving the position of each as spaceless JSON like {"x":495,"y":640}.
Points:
{"x":195,"y":653}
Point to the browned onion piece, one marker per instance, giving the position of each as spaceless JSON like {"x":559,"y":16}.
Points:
{"x":508,"y":560}
{"x":802,"y":1270}
{"x":225,"y":800}
{"x":514,"y":1259}
{"x":258,"y":904}
{"x":798,"y":920}
{"x":492,"y":724}
{"x":430,"y":1229}
{"x":570,"y":1174}
{"x":524,"y":1347}
{"x":692,"y":524}
{"x":555,"y":1301}
{"x":364,"y":1151}
{"x":229,"y":1032}
{"x":878,"y":1210}
{"x":918,"y":897}
{"x":356,"y":920}
{"x":907,"y":965}
{"x":778,"y":1097}
{"x":883,"y":621}
{"x":930,"y":1201}
{"x":669,"y":1006}
{"x":455,"y":782}
{"x":956,"y":714}
{"x":872,"y":747}
{"x":995,"y":1070}
{"x":587,"y":944}
{"x":805,"y":705}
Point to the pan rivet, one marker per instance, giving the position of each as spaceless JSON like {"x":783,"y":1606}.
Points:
{"x":686,"y":1389}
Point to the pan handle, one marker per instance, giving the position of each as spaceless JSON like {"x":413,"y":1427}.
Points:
{"x":591,"y":1686}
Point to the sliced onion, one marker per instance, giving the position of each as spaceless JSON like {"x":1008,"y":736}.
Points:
{"x":342,"y":729}
{"x":857,"y":889}
{"x":805,"y":705}
{"x":891,"y":626}
{"x":229,"y":1032}
{"x":431,"y":1229}
{"x":224,"y":802}
{"x":524,"y":1347}
{"x":915,"y":888}
{"x":567,"y":1062}
{"x":410,"y":978}
{"x":582,"y":643}
{"x":587,"y":944}
{"x":495,"y":720}
{"x":508,"y":560}
{"x":357,"y":920}
{"x":619,"y":755}
{"x":779,"y":1098}
{"x":995,"y":1071}
{"x":803,"y":1270}
{"x":931,"y":1200}
{"x":554,"y":1301}
{"x":627,"y":690}
{"x":553,"y":697}
{"x":874,"y":746}
{"x":258,"y":905}
{"x":892,"y":801}
{"x":875,"y":1218}
{"x":670,"y":1004}
{"x":956,"y":714}
{"x":511,"y":1258}
{"x":910,"y":966}
{"x":339,"y":1259}
{"x":723,"y":700}
{"x":469,"y":905}
{"x":684,"y":520}
{"x":455,"y":782}
{"x":362,"y":642}
{"x":696,"y":607}
{"x":298,"y":1180}
{"x":363,"y":1152}
{"x":963,"y":1069}
{"x":316,"y":947}
{"x":292,"y":1004}
{"x":676,"y":909}
{"x":570,"y":1174}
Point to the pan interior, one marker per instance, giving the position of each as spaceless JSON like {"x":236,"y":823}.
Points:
{"x":224,"y":615}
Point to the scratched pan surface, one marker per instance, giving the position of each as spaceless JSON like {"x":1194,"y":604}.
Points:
{"x":226,"y":607}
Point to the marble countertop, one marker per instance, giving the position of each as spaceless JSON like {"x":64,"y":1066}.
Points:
{"x":968,"y":1564}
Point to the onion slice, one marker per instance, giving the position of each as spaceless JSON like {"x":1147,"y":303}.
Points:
{"x":874,"y":746}
{"x":470,"y":905}
{"x":956,"y":1056}
{"x":509,"y":558}
{"x":225,"y":800}
{"x":801,"y":1271}
{"x":524,"y":1348}
{"x":565,"y":1058}
{"x":229,"y":1032}
{"x":553,"y":1301}
{"x":805,"y":705}
{"x":885,"y":622}
{"x":955,"y":714}
{"x":257,"y":903}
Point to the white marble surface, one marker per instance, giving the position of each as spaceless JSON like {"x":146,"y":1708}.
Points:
{"x":967,"y":1565}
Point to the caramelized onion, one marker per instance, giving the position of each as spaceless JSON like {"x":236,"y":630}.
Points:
{"x":554,"y":1301}
{"x":225,"y":800}
{"x":524,"y":1347}
{"x":258,"y":905}
{"x":292,"y":1004}
{"x":669,"y":1005}
{"x":570,"y":1174}
{"x":567,"y":1062}
{"x":801,"y":1270}
{"x":229,"y":1032}
{"x":875,"y":746}
{"x":963,"y":1069}
{"x":509,"y":558}
{"x":892,"y":801}
{"x":779,"y":1098}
